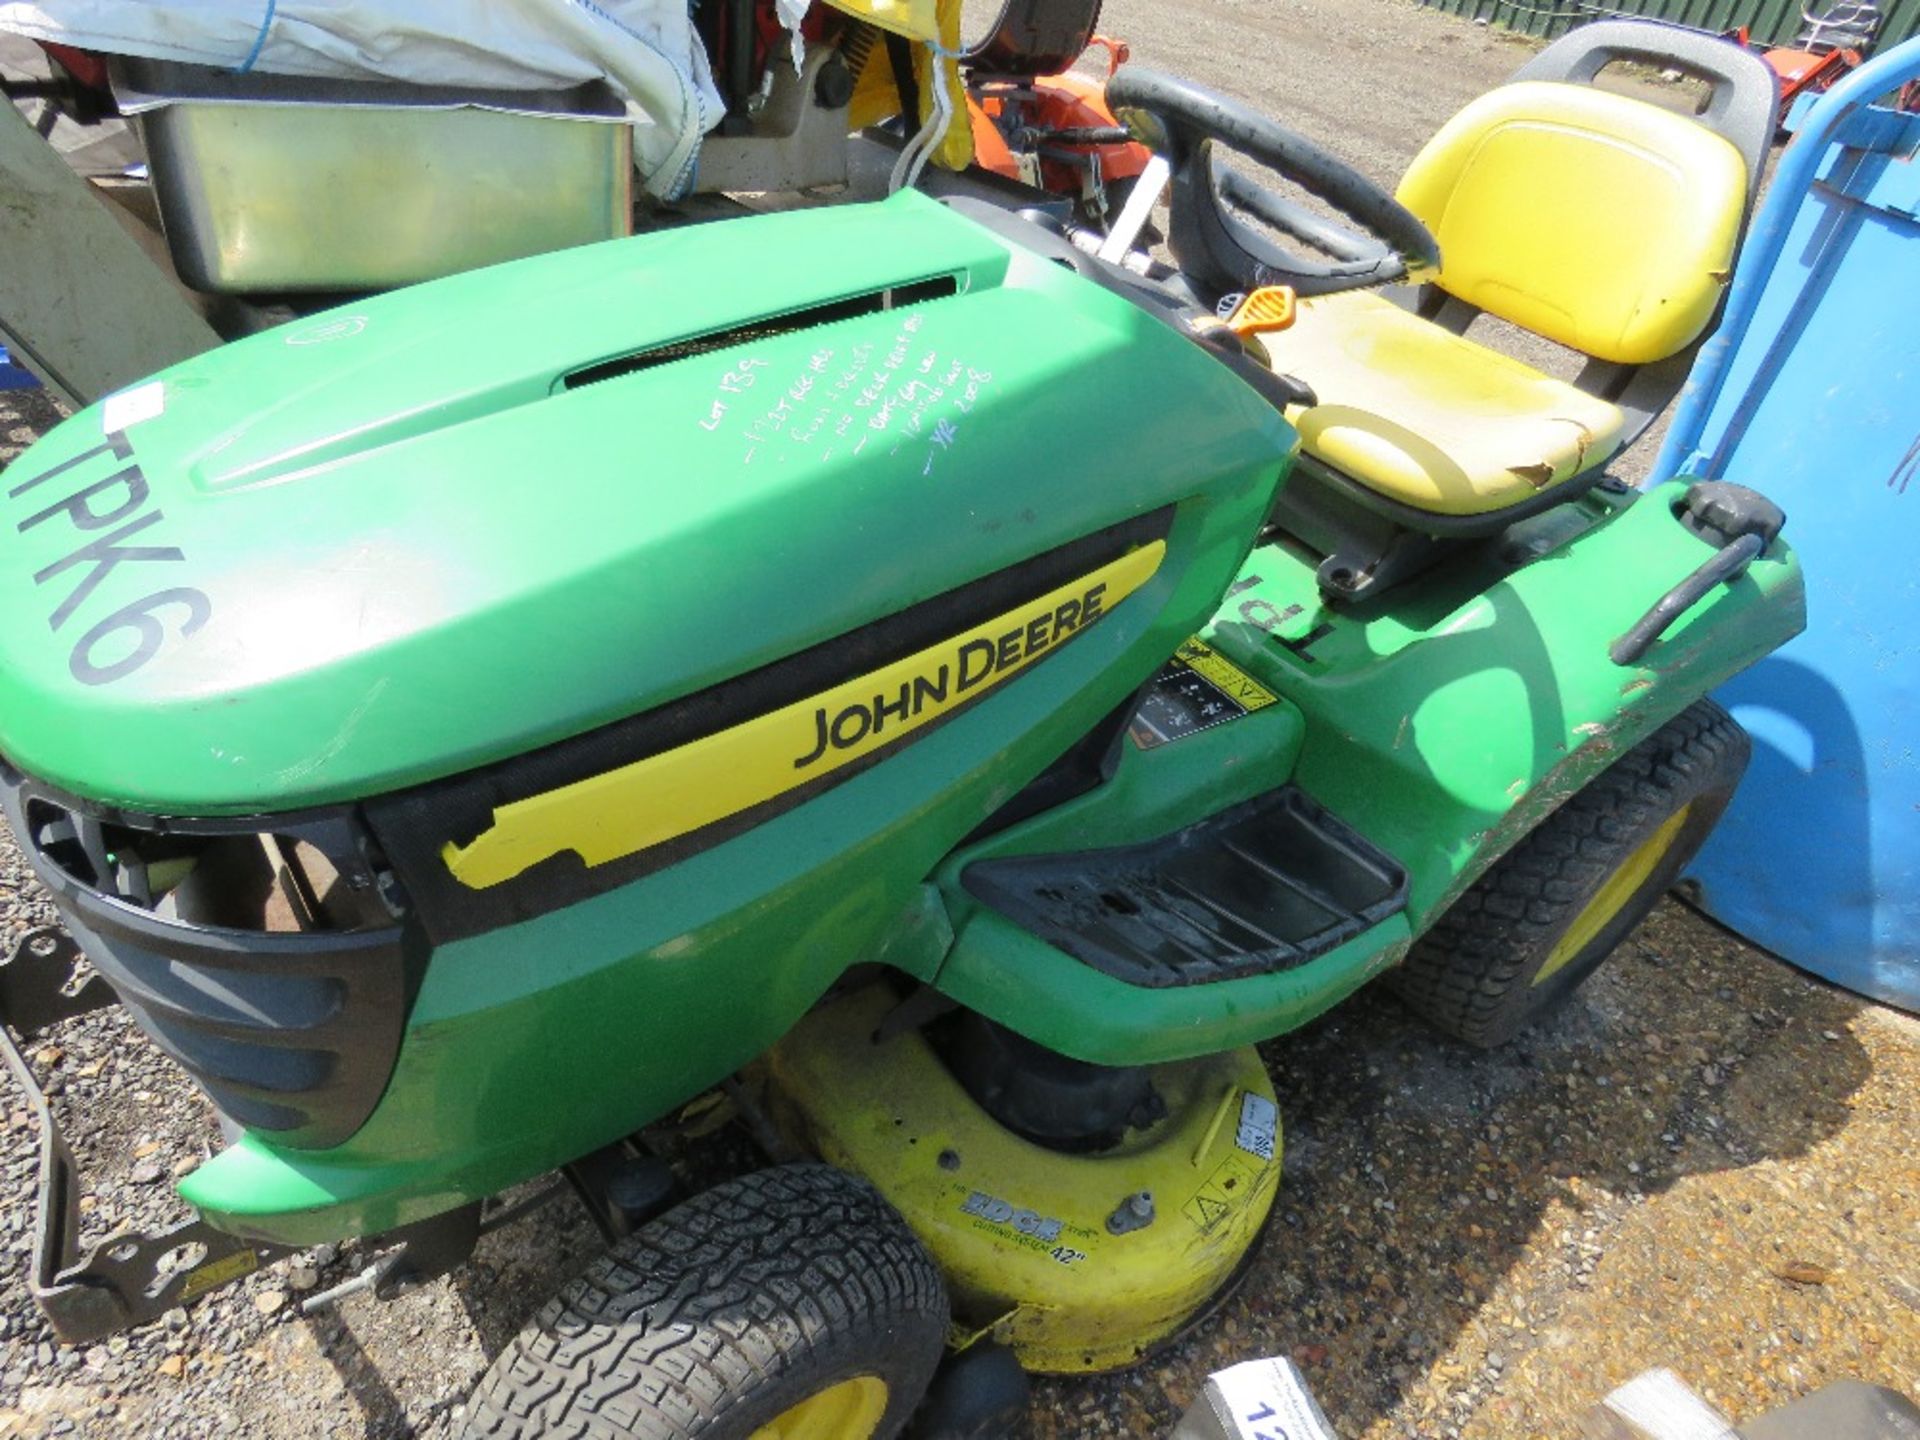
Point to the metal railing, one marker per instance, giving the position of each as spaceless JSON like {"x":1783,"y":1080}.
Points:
{"x":1769,"y":22}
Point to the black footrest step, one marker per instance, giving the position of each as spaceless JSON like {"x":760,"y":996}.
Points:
{"x":1264,"y":886}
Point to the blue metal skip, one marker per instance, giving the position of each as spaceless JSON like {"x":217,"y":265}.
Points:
{"x":1810,"y":392}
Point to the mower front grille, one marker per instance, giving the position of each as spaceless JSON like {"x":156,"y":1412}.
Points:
{"x":265,"y":963}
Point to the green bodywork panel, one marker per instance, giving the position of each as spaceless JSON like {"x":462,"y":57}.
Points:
{"x":1443,"y":722}
{"x":416,"y":550}
{"x":533,"y":1044}
{"x":423,"y":552}
{"x":1415,"y":722}
{"x":458,"y":523}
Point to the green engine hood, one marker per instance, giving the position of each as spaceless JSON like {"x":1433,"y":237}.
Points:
{"x":457,"y":522}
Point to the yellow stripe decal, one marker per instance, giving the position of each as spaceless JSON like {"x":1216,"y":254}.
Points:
{"x":1224,"y":675}
{"x":622,"y":812}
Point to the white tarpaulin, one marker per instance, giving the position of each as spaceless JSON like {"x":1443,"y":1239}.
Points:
{"x":646,"y":49}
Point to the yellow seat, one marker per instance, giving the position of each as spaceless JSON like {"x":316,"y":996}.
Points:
{"x":1429,"y":419}
{"x":1603,"y":223}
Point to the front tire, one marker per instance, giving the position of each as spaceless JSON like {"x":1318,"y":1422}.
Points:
{"x":791,"y":1304}
{"x":1544,"y":916}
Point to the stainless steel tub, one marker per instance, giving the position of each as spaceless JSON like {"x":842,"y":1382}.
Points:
{"x":283,"y":184}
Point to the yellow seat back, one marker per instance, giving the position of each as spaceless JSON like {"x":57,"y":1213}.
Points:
{"x":932,"y":25}
{"x":1605,"y":223}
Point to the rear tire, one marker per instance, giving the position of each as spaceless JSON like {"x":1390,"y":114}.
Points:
{"x":787,"y":1292}
{"x":1544,"y":916}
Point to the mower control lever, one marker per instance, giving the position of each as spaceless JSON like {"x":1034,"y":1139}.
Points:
{"x":1133,"y":216}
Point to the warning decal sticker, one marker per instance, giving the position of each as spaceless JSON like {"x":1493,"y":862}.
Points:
{"x":1194,"y":691}
{"x":1227,"y":1189}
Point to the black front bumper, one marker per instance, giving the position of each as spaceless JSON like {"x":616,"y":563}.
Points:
{"x":293,"y":1033}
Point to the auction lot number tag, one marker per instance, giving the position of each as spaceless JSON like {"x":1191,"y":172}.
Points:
{"x":1267,"y":1400}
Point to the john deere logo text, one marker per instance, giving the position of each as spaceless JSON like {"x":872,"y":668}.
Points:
{"x":972,"y":664}
{"x":677,"y":792}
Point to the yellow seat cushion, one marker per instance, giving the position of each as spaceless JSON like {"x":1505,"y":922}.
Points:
{"x":1605,"y":223}
{"x":1430,"y":419}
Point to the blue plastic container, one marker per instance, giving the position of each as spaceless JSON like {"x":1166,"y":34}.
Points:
{"x":12,"y":376}
{"x":1810,"y":392}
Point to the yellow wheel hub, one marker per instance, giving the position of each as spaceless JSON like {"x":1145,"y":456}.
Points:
{"x":851,"y":1410}
{"x":1614,"y":896}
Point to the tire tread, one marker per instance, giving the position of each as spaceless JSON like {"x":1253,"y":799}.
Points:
{"x":740,"y":1288}
{"x":1463,"y":973}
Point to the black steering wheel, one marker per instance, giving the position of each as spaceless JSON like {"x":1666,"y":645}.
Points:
{"x":1183,"y":121}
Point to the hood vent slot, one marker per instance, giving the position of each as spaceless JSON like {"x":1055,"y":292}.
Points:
{"x":891,"y":297}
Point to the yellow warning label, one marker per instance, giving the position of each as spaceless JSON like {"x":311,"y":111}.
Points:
{"x":1233,"y":1183}
{"x":211,"y":1277}
{"x":1230,"y":679}
{"x":1197,"y":689}
{"x":1207,"y":1211}
{"x":622,"y":812}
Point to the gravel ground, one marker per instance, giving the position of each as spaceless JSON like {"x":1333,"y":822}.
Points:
{"x":1705,"y":1161}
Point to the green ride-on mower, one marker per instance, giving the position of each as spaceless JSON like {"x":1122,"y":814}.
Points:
{"x":950,"y":692}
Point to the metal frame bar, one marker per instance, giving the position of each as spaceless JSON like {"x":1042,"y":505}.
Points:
{"x":83,"y":306}
{"x":126,"y":1279}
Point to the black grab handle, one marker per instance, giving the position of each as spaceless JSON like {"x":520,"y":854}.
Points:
{"x":1739,"y":522}
{"x":1729,"y":561}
